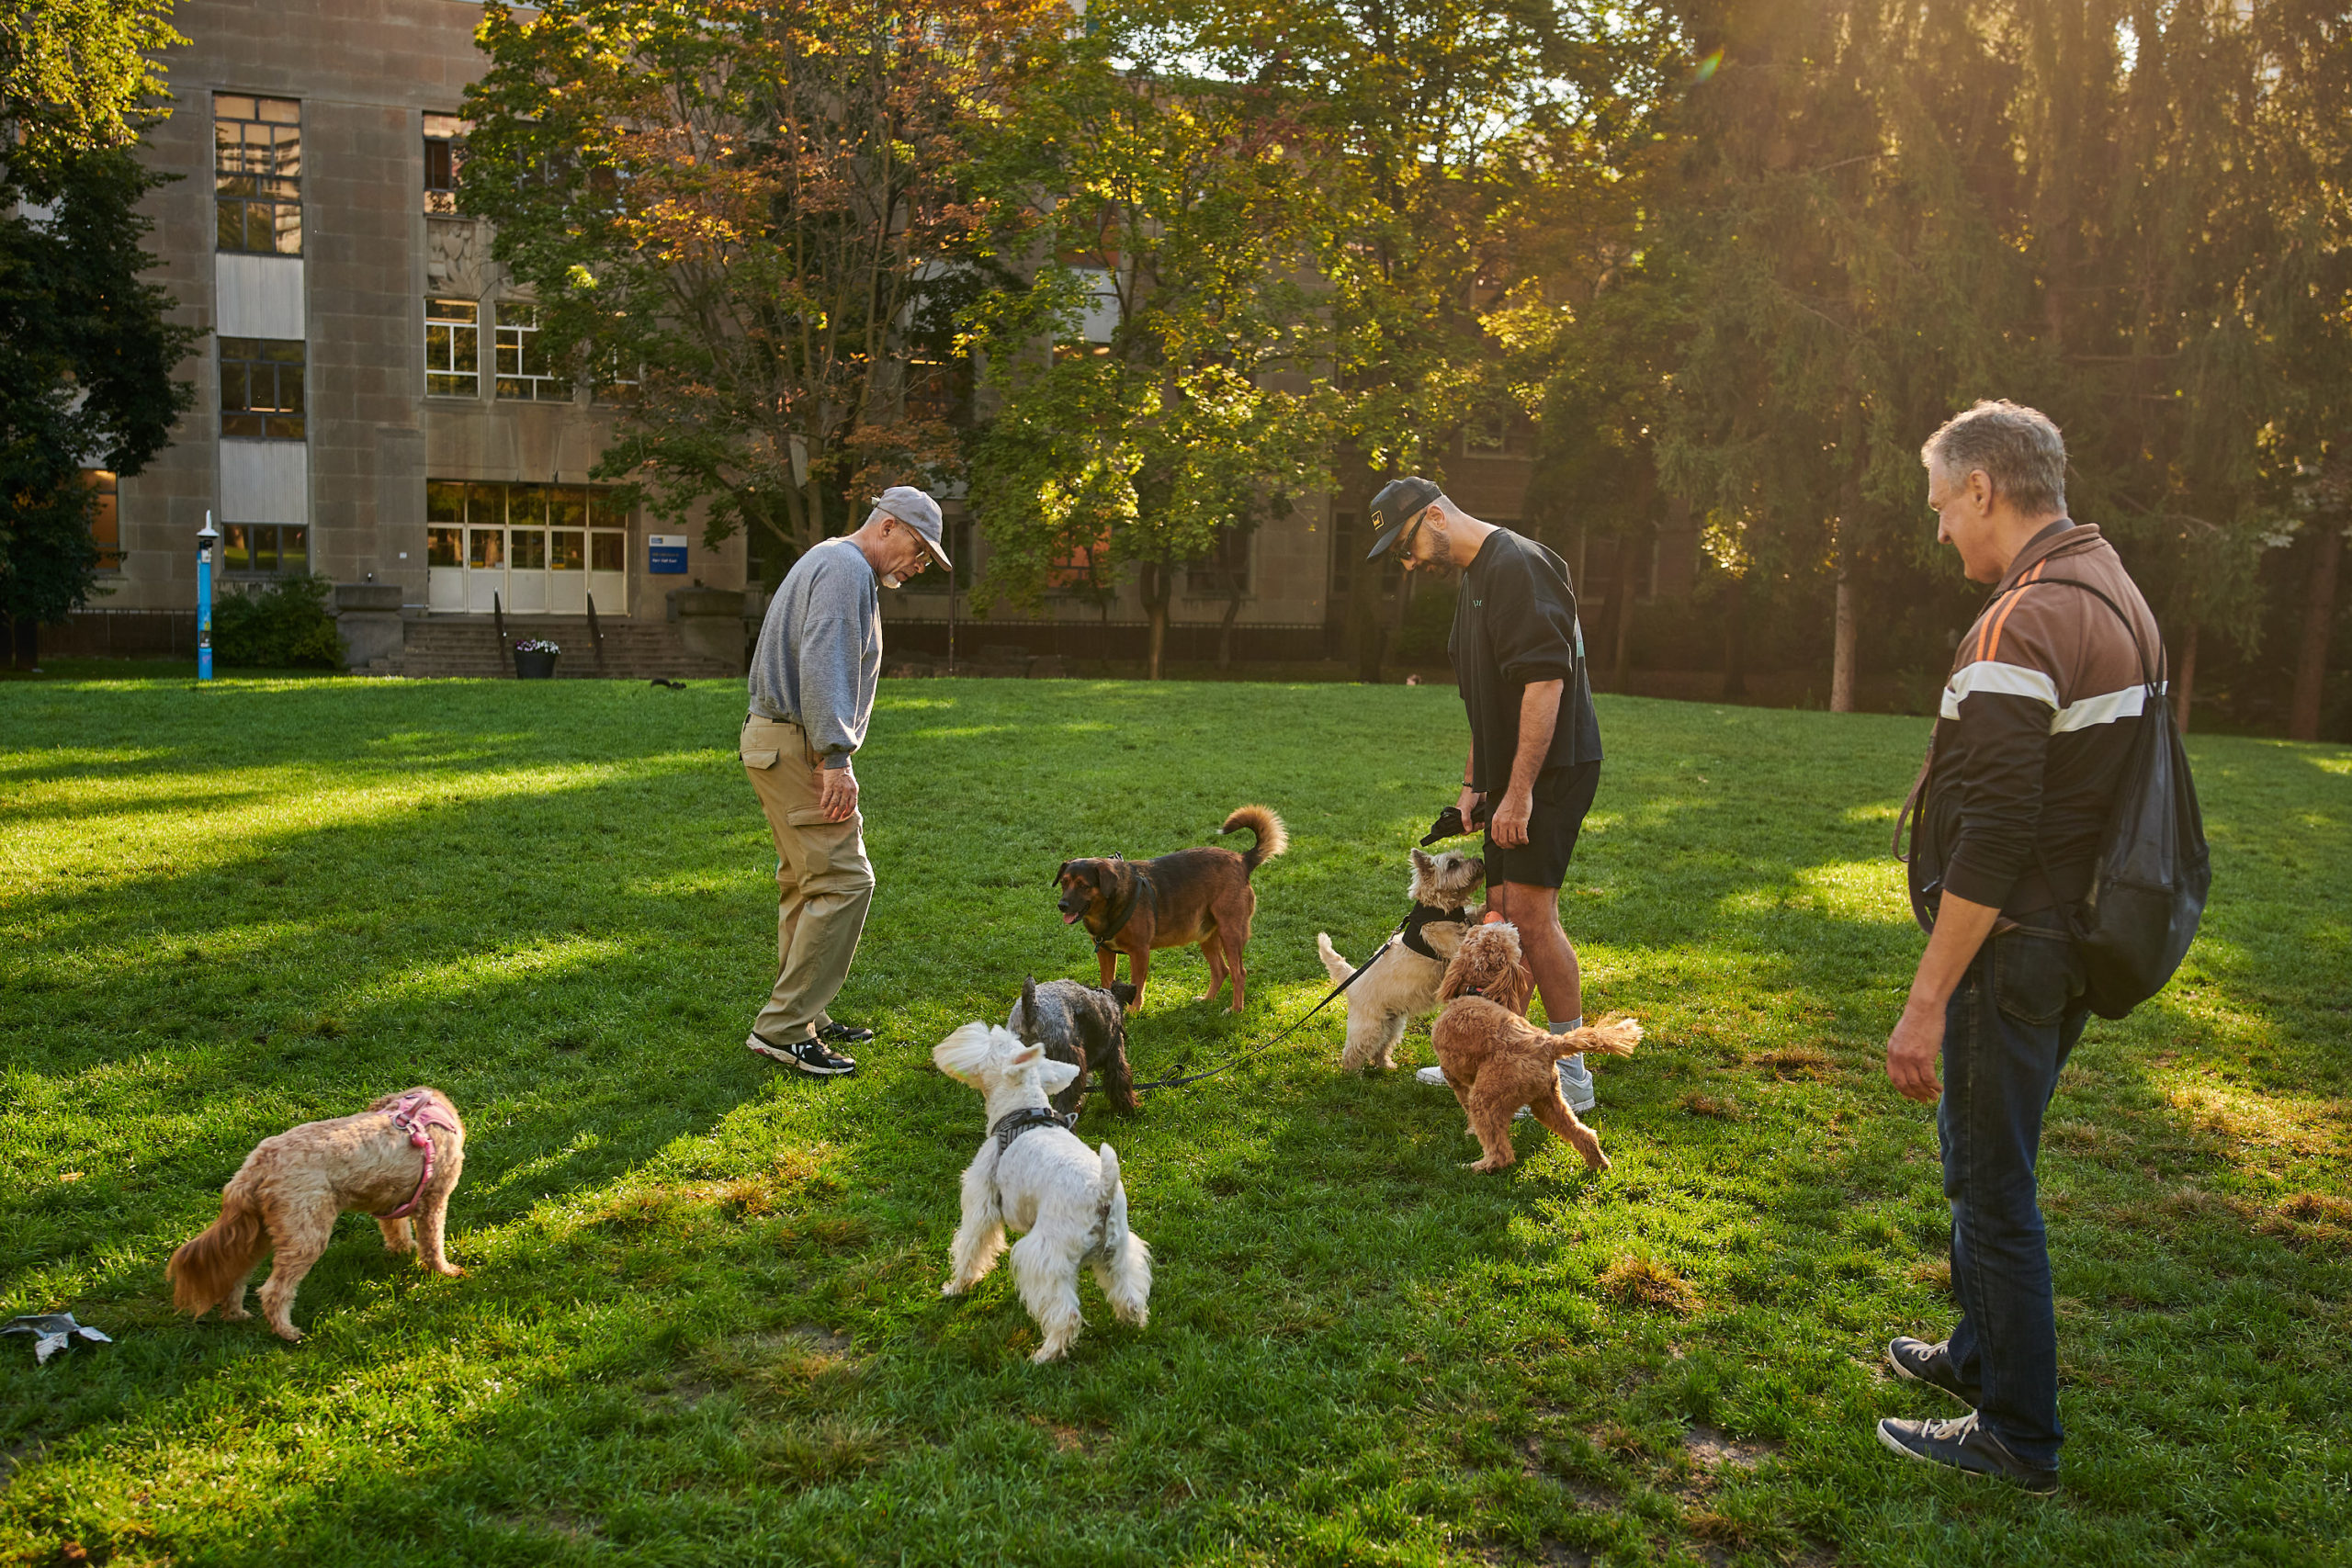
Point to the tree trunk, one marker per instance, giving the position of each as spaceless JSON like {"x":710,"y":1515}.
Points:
{"x":2319,"y":633}
{"x":1365,"y":638}
{"x":23,"y":642}
{"x":1841,"y":652}
{"x":1621,"y":674}
{"x":1156,"y":581}
{"x":2184,"y":679}
{"x":1735,"y":640}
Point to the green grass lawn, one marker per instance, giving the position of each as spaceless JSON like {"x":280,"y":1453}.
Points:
{"x":701,"y":1321}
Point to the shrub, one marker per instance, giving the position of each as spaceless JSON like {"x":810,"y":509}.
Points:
{"x":286,"y":626}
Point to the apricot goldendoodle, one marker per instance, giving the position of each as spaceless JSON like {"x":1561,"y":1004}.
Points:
{"x":1496,"y":1061}
{"x":401,"y":1156}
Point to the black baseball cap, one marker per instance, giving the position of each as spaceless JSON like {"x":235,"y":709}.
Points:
{"x":1398,"y":503}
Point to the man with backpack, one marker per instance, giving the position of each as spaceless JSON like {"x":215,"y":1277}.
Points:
{"x":2032,"y":759}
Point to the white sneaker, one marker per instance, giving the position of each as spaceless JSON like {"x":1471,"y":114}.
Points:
{"x":1434,"y":1077}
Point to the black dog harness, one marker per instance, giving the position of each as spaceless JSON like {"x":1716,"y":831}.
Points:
{"x":1028,"y":1119}
{"x":1423,"y":917}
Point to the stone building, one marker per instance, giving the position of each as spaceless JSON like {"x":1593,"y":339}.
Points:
{"x":372,"y":406}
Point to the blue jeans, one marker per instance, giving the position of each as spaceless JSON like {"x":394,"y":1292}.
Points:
{"x":2007,"y":1031}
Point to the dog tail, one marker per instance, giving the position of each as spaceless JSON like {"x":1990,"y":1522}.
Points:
{"x":1615,"y":1035}
{"x":1028,"y":1028}
{"x":1111,"y":1203}
{"x":1340,"y":968}
{"x":1272,"y":837}
{"x":202,"y":1270}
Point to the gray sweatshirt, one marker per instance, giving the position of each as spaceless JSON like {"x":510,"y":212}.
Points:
{"x":819,"y":653}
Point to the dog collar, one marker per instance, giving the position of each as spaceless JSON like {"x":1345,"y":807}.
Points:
{"x":415,"y":1114}
{"x":1422,"y":917}
{"x":1028,"y":1119}
{"x":1125,"y":913}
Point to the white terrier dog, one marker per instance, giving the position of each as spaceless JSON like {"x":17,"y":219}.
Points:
{"x":1401,"y":984}
{"x":1034,"y":1176}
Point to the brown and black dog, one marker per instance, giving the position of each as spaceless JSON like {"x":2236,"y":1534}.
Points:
{"x":1194,"y":895}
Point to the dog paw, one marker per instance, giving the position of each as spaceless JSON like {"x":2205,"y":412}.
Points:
{"x":449,"y":1270}
{"x":1046,"y":1353}
{"x":232,"y":1315}
{"x":291,"y":1334}
{"x":954,"y":1287}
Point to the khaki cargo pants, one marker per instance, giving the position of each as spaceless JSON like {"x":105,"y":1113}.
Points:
{"x":824,"y":883}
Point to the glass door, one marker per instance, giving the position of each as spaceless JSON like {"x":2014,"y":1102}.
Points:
{"x":526,"y":549}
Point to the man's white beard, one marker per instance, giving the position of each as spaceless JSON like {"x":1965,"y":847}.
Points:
{"x":891,"y":580}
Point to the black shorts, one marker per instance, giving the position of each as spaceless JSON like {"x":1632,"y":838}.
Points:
{"x":1562,"y":797}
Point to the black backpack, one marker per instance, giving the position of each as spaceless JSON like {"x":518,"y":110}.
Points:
{"x":2148,"y":888}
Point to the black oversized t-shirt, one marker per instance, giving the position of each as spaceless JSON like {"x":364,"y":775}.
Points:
{"x":1515,"y":624}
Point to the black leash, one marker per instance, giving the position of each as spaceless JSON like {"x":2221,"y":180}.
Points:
{"x":1329,"y":997}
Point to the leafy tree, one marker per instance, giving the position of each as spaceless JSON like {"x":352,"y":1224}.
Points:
{"x":759,"y":210}
{"x":78,"y":76}
{"x":1172,"y":212}
{"x":1449,"y":138}
{"x":85,"y":352}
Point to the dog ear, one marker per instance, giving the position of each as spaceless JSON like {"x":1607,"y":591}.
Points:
{"x":1122,"y":992}
{"x":1056,"y":1076}
{"x":1024,"y":1056}
{"x":964,"y":1053}
{"x":1422,"y":863}
{"x":1063,"y":872}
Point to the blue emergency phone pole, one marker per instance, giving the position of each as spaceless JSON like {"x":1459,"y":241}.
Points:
{"x":204,"y":543}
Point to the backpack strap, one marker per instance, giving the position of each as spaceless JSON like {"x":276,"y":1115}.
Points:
{"x":2147,"y":675}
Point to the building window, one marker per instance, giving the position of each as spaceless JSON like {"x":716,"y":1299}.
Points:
{"x":257,"y":174}
{"x":265,"y":549}
{"x":525,"y":527}
{"x":445,"y":155}
{"x":617,"y":382}
{"x":452,"y":348}
{"x":1510,"y":435}
{"x":105,"y":518}
{"x":522,"y":368}
{"x":1226,"y":569}
{"x":261,"y":388}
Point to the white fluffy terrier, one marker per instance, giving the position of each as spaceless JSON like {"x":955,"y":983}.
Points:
{"x":1034,"y":1176}
{"x":1401,"y":984}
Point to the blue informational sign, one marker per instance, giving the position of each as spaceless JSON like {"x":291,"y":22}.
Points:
{"x":665,"y":554}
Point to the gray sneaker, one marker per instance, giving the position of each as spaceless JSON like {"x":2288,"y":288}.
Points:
{"x":1433,"y":1077}
{"x":1576,"y":1084}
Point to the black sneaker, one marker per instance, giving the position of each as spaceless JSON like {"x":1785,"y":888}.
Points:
{"x":812,"y":1056}
{"x":1961,"y":1444}
{"x":1915,"y":1360}
{"x":840,"y":1034}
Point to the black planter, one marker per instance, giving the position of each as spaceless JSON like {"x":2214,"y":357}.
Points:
{"x":535,"y":666}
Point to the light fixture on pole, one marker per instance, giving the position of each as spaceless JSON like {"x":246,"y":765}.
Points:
{"x":208,"y":537}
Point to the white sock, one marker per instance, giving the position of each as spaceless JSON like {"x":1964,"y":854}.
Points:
{"x":1570,"y":1027}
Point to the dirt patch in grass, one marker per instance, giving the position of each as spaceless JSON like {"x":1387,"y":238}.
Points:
{"x":1640,"y":1280}
{"x":1714,"y":1450}
{"x":1802,"y":1062}
{"x":1722,"y":1107}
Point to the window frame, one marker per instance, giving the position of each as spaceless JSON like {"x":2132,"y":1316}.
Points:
{"x":517,"y":329}
{"x":273,"y":182}
{"x":450,"y":145}
{"x":245,"y":538}
{"x":466,"y":330}
{"x":283,"y":417}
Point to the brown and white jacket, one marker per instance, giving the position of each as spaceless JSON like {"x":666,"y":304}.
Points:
{"x":2044,"y":699}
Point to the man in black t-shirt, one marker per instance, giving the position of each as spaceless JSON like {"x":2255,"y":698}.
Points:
{"x":1535,"y":754}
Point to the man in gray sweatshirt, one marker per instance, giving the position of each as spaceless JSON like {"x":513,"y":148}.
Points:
{"x":813,"y":676}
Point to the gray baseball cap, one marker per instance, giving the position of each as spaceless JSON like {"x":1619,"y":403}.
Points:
{"x":918,"y":511}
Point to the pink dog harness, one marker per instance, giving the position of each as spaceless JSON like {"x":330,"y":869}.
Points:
{"x":416,"y":1112}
